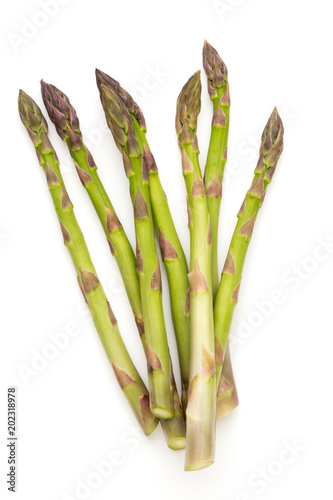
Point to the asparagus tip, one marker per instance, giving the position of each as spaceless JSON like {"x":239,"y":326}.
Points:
{"x":215,"y":68}
{"x":31,"y":116}
{"x":272,"y":138}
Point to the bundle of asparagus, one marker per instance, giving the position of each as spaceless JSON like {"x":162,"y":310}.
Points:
{"x":202,"y":305}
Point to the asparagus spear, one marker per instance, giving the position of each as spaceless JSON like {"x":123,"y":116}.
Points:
{"x":227,"y":295}
{"x":201,"y":406}
{"x":171,"y":249}
{"x":64,"y":116}
{"x":157,"y":351}
{"x":218,"y":88}
{"x":104,"y":319}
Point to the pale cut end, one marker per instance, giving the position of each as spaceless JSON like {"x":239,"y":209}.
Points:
{"x":177,"y":443}
{"x":202,"y":464}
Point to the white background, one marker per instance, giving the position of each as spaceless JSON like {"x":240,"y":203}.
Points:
{"x":71,"y":414}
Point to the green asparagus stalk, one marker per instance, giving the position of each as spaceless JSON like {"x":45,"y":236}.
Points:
{"x":218,"y":89}
{"x":172,"y":252}
{"x":103,"y":317}
{"x":227,"y":295}
{"x":64,"y":116}
{"x":201,"y":406}
{"x":157,"y":351}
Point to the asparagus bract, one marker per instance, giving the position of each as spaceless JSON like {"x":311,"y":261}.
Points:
{"x":218,"y":89}
{"x":201,"y":406}
{"x":172,"y":252}
{"x":103,"y":317}
{"x":227,"y":295}
{"x":157,"y":351}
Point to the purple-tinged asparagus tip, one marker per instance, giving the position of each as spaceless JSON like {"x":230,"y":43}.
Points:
{"x":272,"y":139}
{"x":60,"y":110}
{"x":131,"y":106}
{"x":188,"y":108}
{"x":31,"y":116}
{"x":215,"y":69}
